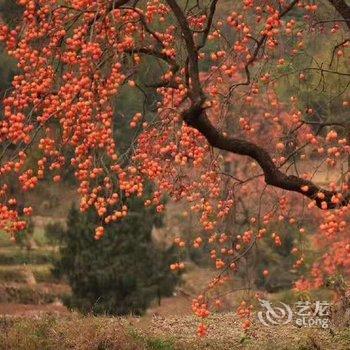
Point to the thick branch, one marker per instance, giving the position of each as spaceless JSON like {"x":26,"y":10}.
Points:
{"x":196,"y":89}
{"x":343,"y":9}
{"x":196,"y":117}
{"x":119,"y":3}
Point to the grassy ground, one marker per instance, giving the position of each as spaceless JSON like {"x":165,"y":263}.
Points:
{"x":77,"y":332}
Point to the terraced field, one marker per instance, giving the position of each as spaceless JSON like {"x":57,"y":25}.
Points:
{"x":27,"y":284}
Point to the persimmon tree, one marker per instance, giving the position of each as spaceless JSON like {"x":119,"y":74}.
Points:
{"x":244,"y":105}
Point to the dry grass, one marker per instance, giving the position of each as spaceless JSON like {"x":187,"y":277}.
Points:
{"x":157,"y":333}
{"x":68,"y":333}
{"x":225,"y":333}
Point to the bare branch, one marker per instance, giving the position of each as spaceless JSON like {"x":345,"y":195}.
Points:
{"x":209,"y":23}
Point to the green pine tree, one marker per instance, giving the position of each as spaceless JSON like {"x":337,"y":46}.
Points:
{"x":119,"y":274}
